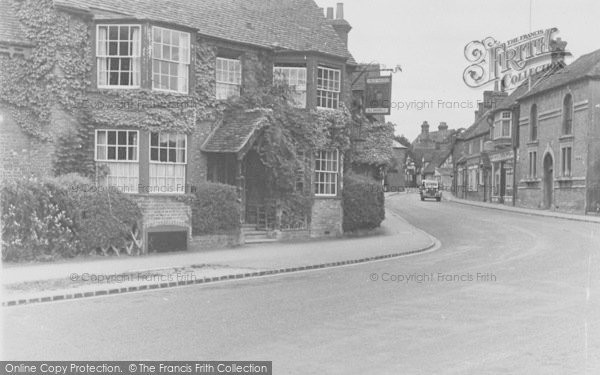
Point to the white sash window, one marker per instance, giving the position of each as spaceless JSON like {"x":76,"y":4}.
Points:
{"x":229,"y":78}
{"x":118,"y":56}
{"x":326,"y":173}
{"x":168,"y":159}
{"x":118,"y":150}
{"x":502,"y":126}
{"x":170,"y":60}
{"x":328,"y":87}
{"x":295,"y":78}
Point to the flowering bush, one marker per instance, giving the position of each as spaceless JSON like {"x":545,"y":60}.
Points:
{"x":64,"y":217}
{"x":35,"y":222}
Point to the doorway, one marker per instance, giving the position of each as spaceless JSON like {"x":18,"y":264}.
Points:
{"x":548,"y":180}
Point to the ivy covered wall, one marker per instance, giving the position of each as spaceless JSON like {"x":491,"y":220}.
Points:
{"x":52,"y":106}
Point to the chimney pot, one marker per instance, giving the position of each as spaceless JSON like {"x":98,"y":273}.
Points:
{"x":425,"y":129}
{"x":340,"y":11}
{"x":329,"y":13}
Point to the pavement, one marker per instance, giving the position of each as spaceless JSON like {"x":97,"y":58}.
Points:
{"x":90,"y":277}
{"x":527,"y":211}
{"x":506,"y":293}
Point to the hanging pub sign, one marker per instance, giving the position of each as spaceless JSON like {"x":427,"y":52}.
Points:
{"x":378,"y":95}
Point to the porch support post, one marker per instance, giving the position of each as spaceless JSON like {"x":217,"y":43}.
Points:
{"x":239,"y":182}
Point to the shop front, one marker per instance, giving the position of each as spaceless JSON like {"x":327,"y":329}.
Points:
{"x":502,"y":176}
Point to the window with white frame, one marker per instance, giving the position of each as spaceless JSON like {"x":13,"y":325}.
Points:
{"x":118,"y":55}
{"x":480,"y":177}
{"x":470,"y":148}
{"x":295,"y":78}
{"x":326,"y":173}
{"x":170,"y":60}
{"x":566,"y":154}
{"x":481,"y":141}
{"x":328,"y":87}
{"x":532,"y":164}
{"x":168,"y":155}
{"x":502,"y":125}
{"x":229,"y":78}
{"x":118,"y":150}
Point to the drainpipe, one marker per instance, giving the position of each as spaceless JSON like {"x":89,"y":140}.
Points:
{"x":514,"y":199}
{"x":515,"y":144}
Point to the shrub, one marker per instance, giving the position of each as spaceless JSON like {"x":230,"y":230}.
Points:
{"x":36,"y":224}
{"x":63,"y":217}
{"x":216,"y":208}
{"x":296,"y":211}
{"x":363,"y":202}
{"x":103,"y":217}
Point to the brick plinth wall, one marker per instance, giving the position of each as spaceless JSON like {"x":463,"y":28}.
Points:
{"x":164,"y":211}
{"x":215,"y":241}
{"x":327,"y":216}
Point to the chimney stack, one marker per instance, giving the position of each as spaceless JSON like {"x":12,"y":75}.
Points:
{"x":558,"y":49}
{"x":425,"y":129}
{"x":339,"y":24}
{"x":329,"y":13}
{"x":339,"y":13}
{"x":443,"y":129}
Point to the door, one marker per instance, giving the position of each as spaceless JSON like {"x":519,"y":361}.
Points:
{"x":548,"y":180}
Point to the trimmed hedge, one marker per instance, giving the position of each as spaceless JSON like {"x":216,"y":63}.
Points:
{"x":363,"y":202}
{"x":216,"y":208}
{"x":63,"y":217}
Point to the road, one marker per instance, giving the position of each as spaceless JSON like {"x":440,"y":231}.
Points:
{"x":505,"y":294}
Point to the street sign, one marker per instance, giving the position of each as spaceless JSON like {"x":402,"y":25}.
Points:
{"x":378,"y":95}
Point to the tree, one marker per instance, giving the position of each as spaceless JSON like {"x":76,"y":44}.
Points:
{"x":402,"y":140}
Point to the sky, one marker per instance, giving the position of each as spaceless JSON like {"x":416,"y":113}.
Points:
{"x":428,"y":37}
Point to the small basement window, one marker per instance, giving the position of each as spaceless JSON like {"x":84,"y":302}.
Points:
{"x":164,"y":242}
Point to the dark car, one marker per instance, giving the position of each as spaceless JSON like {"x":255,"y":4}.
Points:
{"x":430,"y":189}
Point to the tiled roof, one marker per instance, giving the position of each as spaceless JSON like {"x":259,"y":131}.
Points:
{"x":10,"y":27}
{"x":436,"y":136}
{"x":429,"y":155}
{"x":537,"y":80}
{"x":481,"y":126}
{"x":437,"y":159}
{"x":585,"y":66}
{"x":234,"y":132}
{"x":297,"y":25}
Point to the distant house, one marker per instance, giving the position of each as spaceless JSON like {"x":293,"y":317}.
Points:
{"x":444,"y":171}
{"x":473,"y":169}
{"x":395,"y":178}
{"x":429,"y":148}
